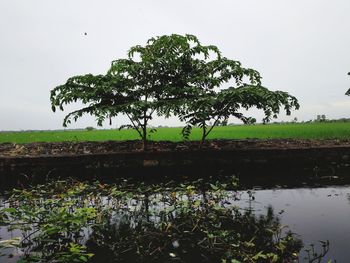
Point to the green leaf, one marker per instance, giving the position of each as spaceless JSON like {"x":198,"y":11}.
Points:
{"x":259,"y":256}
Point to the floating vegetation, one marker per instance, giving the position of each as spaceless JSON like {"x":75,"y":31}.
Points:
{"x":72,"y":221}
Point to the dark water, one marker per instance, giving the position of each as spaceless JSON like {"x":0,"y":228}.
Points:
{"x":313,"y":213}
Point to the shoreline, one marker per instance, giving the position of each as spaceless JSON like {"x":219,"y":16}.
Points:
{"x":253,"y":161}
{"x":71,"y":148}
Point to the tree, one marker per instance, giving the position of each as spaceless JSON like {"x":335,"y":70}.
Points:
{"x":171,"y":75}
{"x":216,"y":103}
{"x":153,"y":79}
{"x":348,"y":92}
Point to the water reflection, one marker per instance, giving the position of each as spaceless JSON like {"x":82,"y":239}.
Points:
{"x":119,"y":242}
{"x":314,"y":213}
{"x":192,"y":225}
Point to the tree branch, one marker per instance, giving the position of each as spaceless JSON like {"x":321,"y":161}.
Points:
{"x":133,"y":124}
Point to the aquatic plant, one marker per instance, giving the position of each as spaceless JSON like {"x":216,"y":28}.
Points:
{"x":71,"y":221}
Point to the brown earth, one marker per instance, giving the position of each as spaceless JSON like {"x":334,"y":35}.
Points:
{"x":72,"y":148}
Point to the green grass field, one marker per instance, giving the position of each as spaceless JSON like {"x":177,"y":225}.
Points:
{"x":337,"y":130}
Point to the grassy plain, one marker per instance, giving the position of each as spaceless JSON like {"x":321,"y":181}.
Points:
{"x":336,"y":130}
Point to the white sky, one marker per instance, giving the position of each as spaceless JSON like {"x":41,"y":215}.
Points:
{"x":298,"y":46}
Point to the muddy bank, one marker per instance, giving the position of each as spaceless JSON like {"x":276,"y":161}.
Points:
{"x":255,"y":162}
{"x":88,"y":148}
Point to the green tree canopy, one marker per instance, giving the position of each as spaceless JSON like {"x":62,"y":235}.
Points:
{"x":243,"y":90}
{"x":348,"y":92}
{"x":152,"y":79}
{"x":171,"y":75}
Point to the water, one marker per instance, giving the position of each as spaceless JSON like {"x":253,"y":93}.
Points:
{"x":313,"y":213}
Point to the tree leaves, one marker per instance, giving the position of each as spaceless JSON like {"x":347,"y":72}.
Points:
{"x":215,"y":104}
{"x":186,"y":131}
{"x":155,"y":78}
{"x":171,"y":75}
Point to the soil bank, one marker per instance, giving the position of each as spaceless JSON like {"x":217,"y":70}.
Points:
{"x":251,"y":160}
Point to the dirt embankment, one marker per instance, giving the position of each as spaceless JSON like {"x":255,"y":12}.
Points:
{"x":72,"y":148}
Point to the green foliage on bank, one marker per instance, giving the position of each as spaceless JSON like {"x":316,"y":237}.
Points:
{"x":336,"y":130}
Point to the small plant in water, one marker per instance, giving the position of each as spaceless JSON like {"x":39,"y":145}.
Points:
{"x":70,"y":221}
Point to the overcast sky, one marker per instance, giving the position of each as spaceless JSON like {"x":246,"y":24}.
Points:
{"x":298,"y":46}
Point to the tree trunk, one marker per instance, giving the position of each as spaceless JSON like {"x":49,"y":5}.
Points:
{"x":144,"y":131}
{"x":204,"y":130}
{"x":144,"y":140}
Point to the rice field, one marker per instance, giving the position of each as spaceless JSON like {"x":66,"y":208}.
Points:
{"x":336,"y":130}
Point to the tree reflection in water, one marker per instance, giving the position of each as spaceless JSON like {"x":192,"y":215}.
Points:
{"x":70,"y":221}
